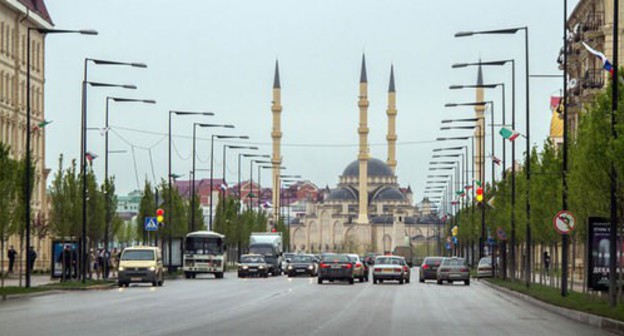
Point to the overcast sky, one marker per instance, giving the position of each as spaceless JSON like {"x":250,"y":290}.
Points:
{"x":219,"y":56}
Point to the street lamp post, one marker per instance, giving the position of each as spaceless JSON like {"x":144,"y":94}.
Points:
{"x":83,"y":145}
{"x":170,"y":177}
{"x":528,"y":128}
{"x":193,"y":180}
{"x":259,"y":179}
{"x":108,"y":214}
{"x":251,"y":162}
{"x":512,"y":239}
{"x":27,"y":172}
{"x":212,"y":137}
{"x":225,"y":147}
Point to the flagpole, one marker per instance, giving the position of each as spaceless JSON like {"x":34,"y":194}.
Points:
{"x":614,"y":178}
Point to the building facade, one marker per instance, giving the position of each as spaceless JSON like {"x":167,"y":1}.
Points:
{"x":367,"y":210}
{"x":16,"y":16}
{"x":590,"y":22}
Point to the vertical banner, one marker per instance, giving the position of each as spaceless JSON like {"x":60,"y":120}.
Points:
{"x":598,"y":243}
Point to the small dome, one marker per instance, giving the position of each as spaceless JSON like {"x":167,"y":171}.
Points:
{"x":389,"y":194}
{"x":341,"y":194}
{"x":376,"y":167}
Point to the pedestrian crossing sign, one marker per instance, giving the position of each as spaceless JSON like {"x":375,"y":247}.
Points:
{"x":150,"y":224}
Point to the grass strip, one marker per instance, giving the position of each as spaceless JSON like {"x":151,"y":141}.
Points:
{"x":576,"y":301}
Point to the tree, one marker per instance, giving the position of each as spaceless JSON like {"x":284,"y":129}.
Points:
{"x":8,"y":183}
{"x":147,"y":208}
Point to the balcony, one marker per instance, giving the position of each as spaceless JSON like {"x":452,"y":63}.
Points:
{"x":593,"y":24}
{"x":594,"y":79}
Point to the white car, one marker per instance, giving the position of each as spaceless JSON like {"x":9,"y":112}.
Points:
{"x":391,"y":268}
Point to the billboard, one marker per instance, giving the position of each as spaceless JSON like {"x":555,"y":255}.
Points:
{"x":598,"y":244}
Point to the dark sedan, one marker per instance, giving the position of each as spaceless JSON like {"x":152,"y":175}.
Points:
{"x":302,"y":264}
{"x":253,"y":265}
{"x":336,"y":267}
{"x":429,"y":268}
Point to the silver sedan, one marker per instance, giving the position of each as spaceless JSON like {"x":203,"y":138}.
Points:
{"x":453,"y":269}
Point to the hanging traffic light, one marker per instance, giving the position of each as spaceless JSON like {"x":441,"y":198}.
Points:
{"x":160,"y":213}
{"x":479,"y":194}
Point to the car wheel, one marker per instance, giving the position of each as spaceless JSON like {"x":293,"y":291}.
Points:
{"x":121,"y":284}
{"x":319,"y":281}
{"x":290,"y":275}
{"x":154,"y":283}
{"x":351,"y":281}
{"x":187,"y":275}
{"x":361,"y":279}
{"x":401,"y":281}
{"x":407,"y":280}
{"x":467,"y":282}
{"x":265,"y":275}
{"x":127,"y":284}
{"x":421,"y":280}
{"x":380,"y":281}
{"x":160,"y":283}
{"x":439,"y":282}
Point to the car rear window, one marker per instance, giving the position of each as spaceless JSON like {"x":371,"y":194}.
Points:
{"x":138,"y":255}
{"x":433,"y":261}
{"x":389,"y":261}
{"x":453,"y":262}
{"x":485,"y":261}
{"x":336,"y":258}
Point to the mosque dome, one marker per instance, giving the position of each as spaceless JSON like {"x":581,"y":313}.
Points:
{"x":376,"y":167}
{"x":389,"y":194}
{"x":341,"y":194}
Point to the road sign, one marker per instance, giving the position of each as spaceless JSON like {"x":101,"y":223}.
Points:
{"x":502,"y":235}
{"x":150,"y":224}
{"x":564,"y":222}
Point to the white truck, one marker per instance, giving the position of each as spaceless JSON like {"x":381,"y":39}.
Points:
{"x":268,"y":244}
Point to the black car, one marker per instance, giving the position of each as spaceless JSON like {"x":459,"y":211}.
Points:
{"x":336,"y":267}
{"x":429,"y":268}
{"x":302,"y":264}
{"x":253,"y":265}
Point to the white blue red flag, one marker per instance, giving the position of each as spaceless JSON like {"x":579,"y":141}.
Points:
{"x":605,"y":61}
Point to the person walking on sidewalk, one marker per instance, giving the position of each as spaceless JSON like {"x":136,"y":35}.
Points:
{"x":114,"y":262}
{"x":12,"y":256}
{"x":32,"y":256}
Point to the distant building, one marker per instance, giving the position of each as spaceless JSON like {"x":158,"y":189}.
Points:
{"x":368,"y":210}
{"x":128,"y":205}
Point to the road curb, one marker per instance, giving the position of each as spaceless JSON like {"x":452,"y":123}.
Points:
{"x":28,"y":295}
{"x":574,"y":315}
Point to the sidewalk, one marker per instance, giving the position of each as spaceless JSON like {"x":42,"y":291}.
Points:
{"x":35,"y":280}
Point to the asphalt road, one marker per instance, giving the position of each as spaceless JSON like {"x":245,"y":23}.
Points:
{"x":283,"y":306}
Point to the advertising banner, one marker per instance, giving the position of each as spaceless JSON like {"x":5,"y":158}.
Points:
{"x":598,"y":243}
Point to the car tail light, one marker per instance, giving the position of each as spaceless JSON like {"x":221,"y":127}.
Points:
{"x":324,"y":265}
{"x":347,"y":266}
{"x":464,"y":269}
{"x":397,"y":270}
{"x":425,"y":267}
{"x":444,"y":269}
{"x":358,"y":265}
{"x":405,"y":269}
{"x":377,"y":270}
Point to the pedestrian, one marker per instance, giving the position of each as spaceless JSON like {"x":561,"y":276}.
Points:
{"x":114,"y":262}
{"x":547,"y":262}
{"x":74,"y":261}
{"x":65,"y":260}
{"x":12,"y":255}
{"x":92,"y":264}
{"x":32,"y":256}
{"x":99,"y":264}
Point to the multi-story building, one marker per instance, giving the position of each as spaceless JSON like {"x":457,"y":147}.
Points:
{"x":16,"y":16}
{"x":590,"y":22}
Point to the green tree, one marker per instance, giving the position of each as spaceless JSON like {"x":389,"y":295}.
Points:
{"x":8,"y":184}
{"x":147,"y":208}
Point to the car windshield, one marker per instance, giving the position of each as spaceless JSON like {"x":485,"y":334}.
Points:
{"x":302,"y":259}
{"x":453,"y":262}
{"x":252,"y":259}
{"x":288,"y":255}
{"x":336,"y":258}
{"x":138,"y":255}
{"x":204,"y":245}
{"x":388,"y":261}
{"x":353,"y":258}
